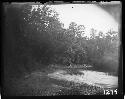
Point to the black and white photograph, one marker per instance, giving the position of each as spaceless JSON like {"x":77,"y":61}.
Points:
{"x":61,"y":49}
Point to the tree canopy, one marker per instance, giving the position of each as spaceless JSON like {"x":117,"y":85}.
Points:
{"x":40,"y":37}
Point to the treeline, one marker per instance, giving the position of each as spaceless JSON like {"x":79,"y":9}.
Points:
{"x":37,"y":38}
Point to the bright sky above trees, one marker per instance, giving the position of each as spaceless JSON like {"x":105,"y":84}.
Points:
{"x":88,"y":15}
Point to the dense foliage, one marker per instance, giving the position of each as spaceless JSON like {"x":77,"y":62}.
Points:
{"x":37,"y":36}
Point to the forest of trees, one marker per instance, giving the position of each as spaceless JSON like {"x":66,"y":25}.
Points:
{"x":38,"y":37}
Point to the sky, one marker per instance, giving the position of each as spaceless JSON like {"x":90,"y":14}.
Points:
{"x":89,"y":15}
